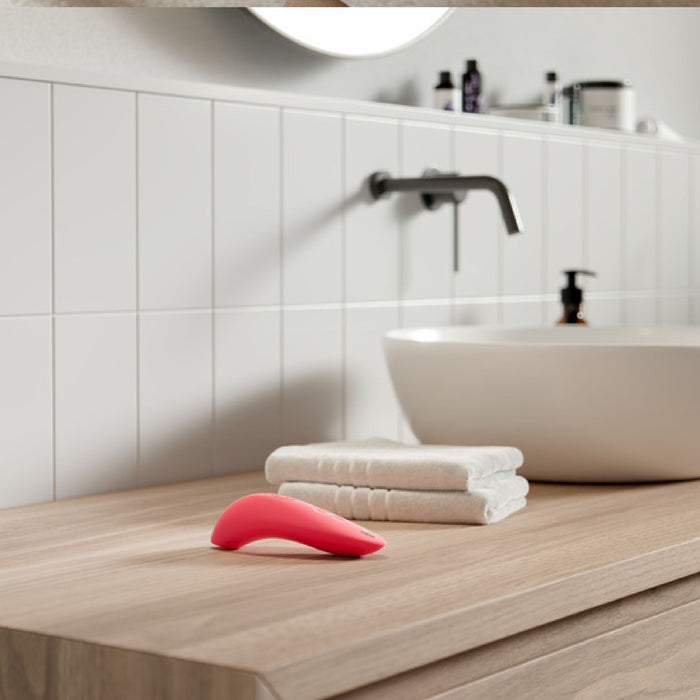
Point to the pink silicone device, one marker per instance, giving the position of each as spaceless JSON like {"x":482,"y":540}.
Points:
{"x":262,"y":515}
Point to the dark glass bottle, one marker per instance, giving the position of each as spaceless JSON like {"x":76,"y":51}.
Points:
{"x":571,"y":298}
{"x":471,"y":88}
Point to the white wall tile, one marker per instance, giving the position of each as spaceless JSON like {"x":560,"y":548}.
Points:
{"x":312,"y":207}
{"x":25,"y":197}
{"x":26,"y":447}
{"x":675,"y":310}
{"x":426,"y":236}
{"x":248,"y":388}
{"x":246,"y":205}
{"x":640,"y":222}
{"x":372,"y":234}
{"x":371,"y":407}
{"x":522,"y":174}
{"x":477,"y":313}
{"x":175,"y":202}
{"x":695,"y":236}
{"x":415,"y":315}
{"x":482,"y":232}
{"x":529,"y":313}
{"x":175,"y":397}
{"x":564,"y":209}
{"x":96,"y":405}
{"x":674,"y":232}
{"x":639,"y":311}
{"x":603,"y":312}
{"x":604,"y":215}
{"x":94,"y":139}
{"x":312,"y":404}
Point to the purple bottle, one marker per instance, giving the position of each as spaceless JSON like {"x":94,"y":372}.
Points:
{"x":471,"y":88}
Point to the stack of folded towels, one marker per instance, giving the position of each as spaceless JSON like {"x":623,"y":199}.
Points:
{"x":379,"y":479}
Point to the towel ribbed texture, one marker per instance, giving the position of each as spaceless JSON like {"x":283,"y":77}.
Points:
{"x":381,"y":463}
{"x":379,"y":479}
{"x":483,"y":505}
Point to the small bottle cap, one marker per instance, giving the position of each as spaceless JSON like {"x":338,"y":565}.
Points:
{"x":445,"y":80}
{"x":471,"y":64}
{"x":552,"y":77}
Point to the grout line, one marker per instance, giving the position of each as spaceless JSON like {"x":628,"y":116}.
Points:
{"x":455,"y":223}
{"x":501,"y":263}
{"x":212,"y":223}
{"x":658,"y":221}
{"x":585,"y":223}
{"x":343,"y":281}
{"x":401,"y":316}
{"x":366,"y":305}
{"x":694,"y":233}
{"x":137,"y":222}
{"x":401,"y":232}
{"x":544,"y":254}
{"x":692,"y":249}
{"x":360,"y":305}
{"x":282,"y":422}
{"x":624,"y":213}
{"x":52,"y":170}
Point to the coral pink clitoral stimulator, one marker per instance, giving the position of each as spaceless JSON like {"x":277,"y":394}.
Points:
{"x":262,"y":515}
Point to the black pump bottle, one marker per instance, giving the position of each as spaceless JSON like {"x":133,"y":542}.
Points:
{"x":572,"y":298}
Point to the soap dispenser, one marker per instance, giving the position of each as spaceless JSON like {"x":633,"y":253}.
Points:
{"x":572,"y":298}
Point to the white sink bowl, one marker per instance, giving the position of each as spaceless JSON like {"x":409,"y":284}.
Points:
{"x":583,"y":404}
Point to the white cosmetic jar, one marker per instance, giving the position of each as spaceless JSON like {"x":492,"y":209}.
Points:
{"x":607,"y":104}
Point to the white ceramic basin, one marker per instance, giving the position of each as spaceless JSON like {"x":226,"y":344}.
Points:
{"x":582,"y":403}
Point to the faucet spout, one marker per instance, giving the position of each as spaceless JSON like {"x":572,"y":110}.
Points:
{"x":437,"y":188}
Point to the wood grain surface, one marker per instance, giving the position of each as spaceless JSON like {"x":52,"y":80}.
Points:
{"x":134,"y":571}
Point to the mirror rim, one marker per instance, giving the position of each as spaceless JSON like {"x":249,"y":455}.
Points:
{"x":277,"y":19}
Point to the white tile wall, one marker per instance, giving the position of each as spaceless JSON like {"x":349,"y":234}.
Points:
{"x":94,"y":199}
{"x":26,"y":411}
{"x":640,"y":223}
{"x":603,"y":215}
{"x":674,"y":225}
{"x":312,"y":202}
{"x":25,"y":197}
{"x":175,"y":202}
{"x":96,"y":404}
{"x":248,"y":387}
{"x":564,"y":209}
{"x":312,"y":370}
{"x":247,"y":190}
{"x":175,"y":397}
{"x":695,"y":226}
{"x":192,"y":278}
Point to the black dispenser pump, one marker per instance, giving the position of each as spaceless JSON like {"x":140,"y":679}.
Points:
{"x":572,"y":298}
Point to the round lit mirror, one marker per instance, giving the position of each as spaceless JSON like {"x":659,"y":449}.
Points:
{"x":352,"y":32}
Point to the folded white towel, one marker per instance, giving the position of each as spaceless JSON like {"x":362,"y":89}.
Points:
{"x":482,"y":505}
{"x":381,"y":463}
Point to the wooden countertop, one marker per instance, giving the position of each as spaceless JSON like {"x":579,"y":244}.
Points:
{"x":134,"y":570}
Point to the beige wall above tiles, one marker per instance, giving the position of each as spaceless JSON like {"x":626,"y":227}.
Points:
{"x":192,"y":275}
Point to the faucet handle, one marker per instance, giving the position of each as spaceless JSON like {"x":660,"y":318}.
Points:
{"x":434,"y":200}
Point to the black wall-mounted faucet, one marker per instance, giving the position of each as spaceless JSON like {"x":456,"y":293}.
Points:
{"x":438,"y":188}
